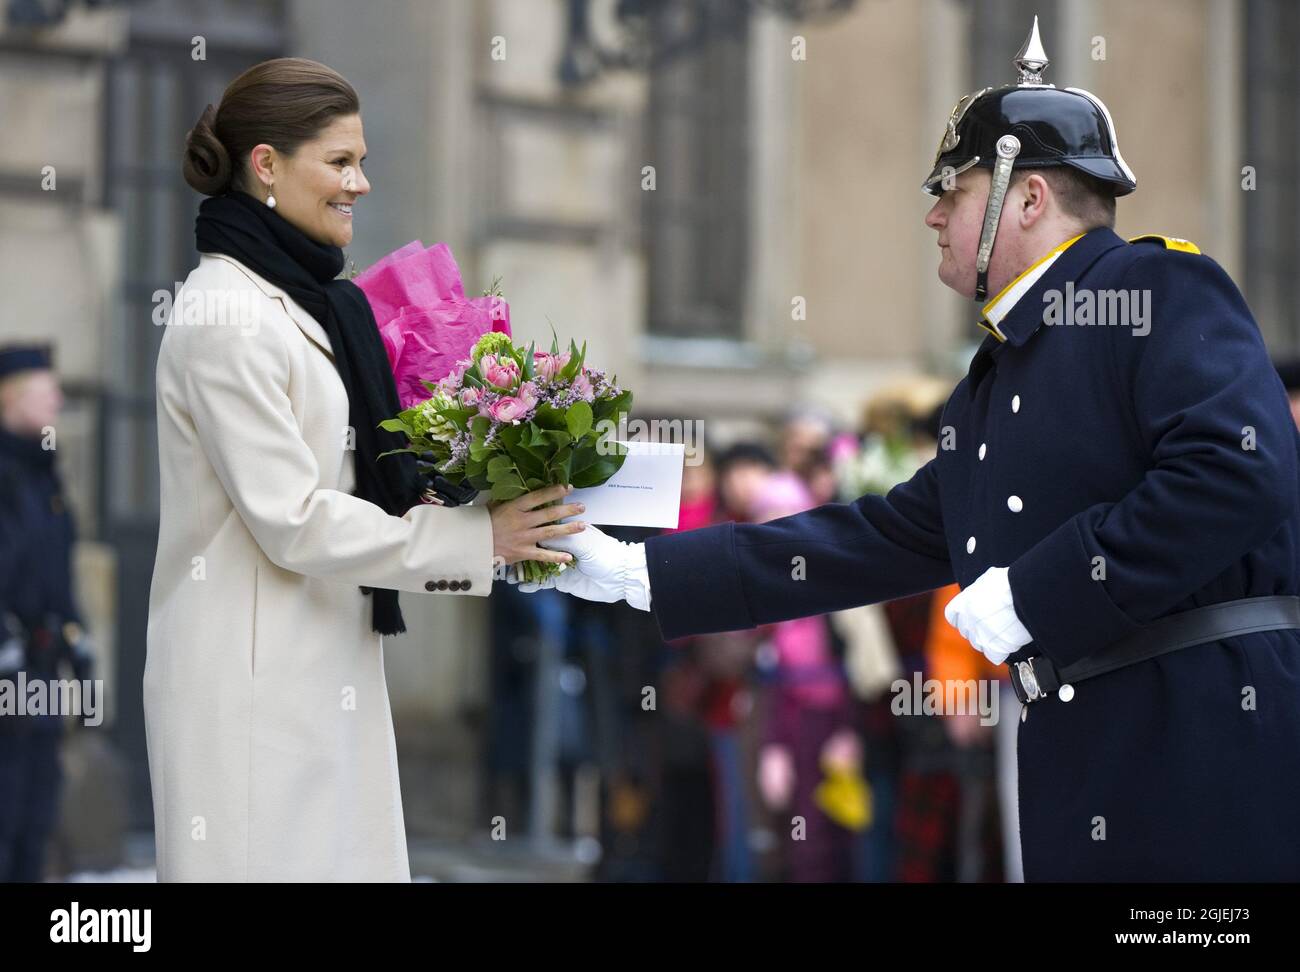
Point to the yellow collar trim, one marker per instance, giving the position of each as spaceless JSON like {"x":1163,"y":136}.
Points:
{"x":1000,"y":306}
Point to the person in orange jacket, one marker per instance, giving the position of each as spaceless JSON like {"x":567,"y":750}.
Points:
{"x":951,"y":658}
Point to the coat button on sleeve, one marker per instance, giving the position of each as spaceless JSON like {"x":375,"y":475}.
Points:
{"x":430,"y":586}
{"x":442,"y":584}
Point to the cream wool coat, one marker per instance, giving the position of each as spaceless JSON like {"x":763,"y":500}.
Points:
{"x":271,"y":748}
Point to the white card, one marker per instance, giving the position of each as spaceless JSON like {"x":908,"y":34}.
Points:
{"x":645,"y":492}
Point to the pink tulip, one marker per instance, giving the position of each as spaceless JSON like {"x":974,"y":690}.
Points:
{"x":547,"y":365}
{"x":582,"y":385}
{"x":527,"y":394}
{"x":503,"y":372}
{"x":451,"y":383}
{"x":508,"y":408}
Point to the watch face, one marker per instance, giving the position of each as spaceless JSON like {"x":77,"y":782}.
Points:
{"x":1028,"y":679}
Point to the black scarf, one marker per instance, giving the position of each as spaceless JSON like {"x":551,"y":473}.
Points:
{"x":239,"y":226}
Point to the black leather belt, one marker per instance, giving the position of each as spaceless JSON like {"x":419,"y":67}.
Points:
{"x":1036,"y":677}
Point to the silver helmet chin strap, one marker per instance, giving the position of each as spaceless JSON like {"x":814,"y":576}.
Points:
{"x":1008,"y":149}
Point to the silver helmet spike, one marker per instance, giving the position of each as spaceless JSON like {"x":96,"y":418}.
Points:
{"x":1032,"y":60}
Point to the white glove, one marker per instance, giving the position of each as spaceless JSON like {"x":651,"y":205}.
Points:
{"x":603,"y":569}
{"x":986,"y":617}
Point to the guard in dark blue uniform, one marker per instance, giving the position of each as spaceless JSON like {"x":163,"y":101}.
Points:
{"x":42,"y":636}
{"x":1116,"y":492}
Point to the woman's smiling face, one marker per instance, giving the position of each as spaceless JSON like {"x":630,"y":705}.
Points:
{"x":316,"y":187}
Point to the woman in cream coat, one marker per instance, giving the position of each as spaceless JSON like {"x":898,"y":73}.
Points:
{"x":271,"y":747}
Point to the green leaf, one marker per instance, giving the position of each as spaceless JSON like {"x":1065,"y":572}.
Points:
{"x":549,"y":417}
{"x":557,"y":439}
{"x":510,"y":435}
{"x":397,"y":425}
{"x":396,"y":452}
{"x":570,"y":370}
{"x":584,"y":457}
{"x":597,"y":473}
{"x":508,"y":490}
{"x":608,"y":408}
{"x":562,"y":464}
{"x":536,"y":457}
{"x":479,"y":425}
{"x":499,"y":467}
{"x":460,"y":416}
{"x":528,"y":363}
{"x":578,"y":419}
{"x":530,"y":465}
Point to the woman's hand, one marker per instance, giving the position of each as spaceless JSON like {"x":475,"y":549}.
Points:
{"x":518,"y":524}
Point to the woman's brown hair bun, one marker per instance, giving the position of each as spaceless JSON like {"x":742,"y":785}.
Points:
{"x":207,"y":163}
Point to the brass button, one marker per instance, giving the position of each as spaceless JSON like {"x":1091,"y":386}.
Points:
{"x":430,"y":586}
{"x":442,"y":584}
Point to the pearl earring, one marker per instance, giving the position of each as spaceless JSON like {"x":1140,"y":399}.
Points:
{"x":270,"y":198}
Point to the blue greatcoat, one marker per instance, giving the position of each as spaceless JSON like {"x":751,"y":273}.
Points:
{"x":1123,"y":473}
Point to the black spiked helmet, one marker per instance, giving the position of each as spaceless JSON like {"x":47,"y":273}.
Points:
{"x":1029,"y":124}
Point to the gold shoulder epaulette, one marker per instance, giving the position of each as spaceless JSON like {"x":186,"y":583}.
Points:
{"x":1170,"y":242}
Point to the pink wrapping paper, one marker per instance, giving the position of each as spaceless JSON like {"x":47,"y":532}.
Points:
{"x":426,"y":321}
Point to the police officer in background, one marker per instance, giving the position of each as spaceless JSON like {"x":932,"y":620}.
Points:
{"x":1115,"y":491}
{"x":42,"y":634}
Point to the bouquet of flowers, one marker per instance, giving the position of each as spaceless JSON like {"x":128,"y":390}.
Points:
{"x":510,"y":420}
{"x":480,"y":413}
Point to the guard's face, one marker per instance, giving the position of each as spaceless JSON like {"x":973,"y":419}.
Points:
{"x":957,"y":217}
{"x":316,"y":187}
{"x":31,"y":401}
